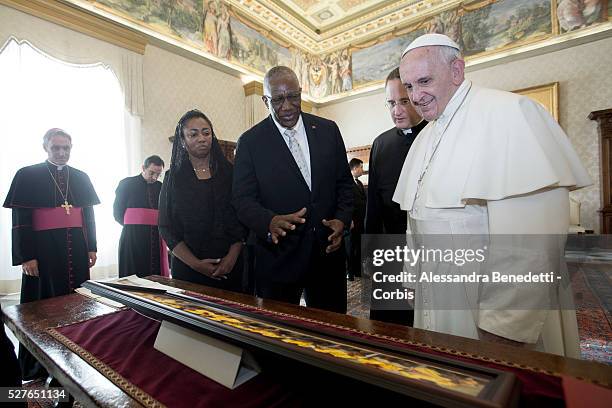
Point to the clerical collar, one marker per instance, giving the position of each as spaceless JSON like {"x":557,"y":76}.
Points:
{"x":454,"y":103}
{"x":58,"y":166}
{"x":409,"y":130}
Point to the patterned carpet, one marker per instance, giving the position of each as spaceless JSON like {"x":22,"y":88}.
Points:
{"x":356,"y":305}
{"x":38,"y":384}
{"x":592,"y":286}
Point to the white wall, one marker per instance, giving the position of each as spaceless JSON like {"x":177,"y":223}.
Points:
{"x":360,"y":120}
{"x":584,"y":74}
{"x":174,"y":85}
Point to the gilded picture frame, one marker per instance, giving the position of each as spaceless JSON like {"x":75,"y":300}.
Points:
{"x":547,"y":95}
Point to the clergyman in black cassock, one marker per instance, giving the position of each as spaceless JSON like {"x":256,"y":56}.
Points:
{"x":136,"y":201}
{"x":55,"y":252}
{"x":387,"y":156}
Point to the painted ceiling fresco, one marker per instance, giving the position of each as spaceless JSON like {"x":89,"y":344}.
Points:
{"x":356,"y":47}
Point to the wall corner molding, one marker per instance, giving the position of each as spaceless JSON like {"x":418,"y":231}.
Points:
{"x":253,"y":88}
{"x":307,"y":106}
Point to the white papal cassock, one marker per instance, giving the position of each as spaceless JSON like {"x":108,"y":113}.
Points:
{"x":493,"y":163}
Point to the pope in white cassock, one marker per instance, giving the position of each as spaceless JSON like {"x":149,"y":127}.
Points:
{"x":489,"y":162}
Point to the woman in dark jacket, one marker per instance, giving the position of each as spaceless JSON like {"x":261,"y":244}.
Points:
{"x":195,"y":216}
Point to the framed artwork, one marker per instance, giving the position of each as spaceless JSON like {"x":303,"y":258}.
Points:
{"x":547,"y":95}
{"x":435,"y":379}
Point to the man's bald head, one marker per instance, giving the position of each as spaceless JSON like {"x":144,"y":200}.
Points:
{"x":276,"y":73}
{"x":431,"y":76}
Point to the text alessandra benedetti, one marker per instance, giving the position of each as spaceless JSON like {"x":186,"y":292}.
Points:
{"x":494,"y":277}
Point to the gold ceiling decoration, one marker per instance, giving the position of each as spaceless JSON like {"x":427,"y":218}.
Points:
{"x":355,"y":21}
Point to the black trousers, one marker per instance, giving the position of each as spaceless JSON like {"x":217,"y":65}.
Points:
{"x":10,"y":375}
{"x":403,"y":317}
{"x":324,"y":286}
{"x":355,"y":253}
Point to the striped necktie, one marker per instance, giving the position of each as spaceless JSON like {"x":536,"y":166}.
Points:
{"x":298,"y":155}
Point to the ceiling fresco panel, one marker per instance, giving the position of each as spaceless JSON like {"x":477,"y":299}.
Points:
{"x":364,"y":38}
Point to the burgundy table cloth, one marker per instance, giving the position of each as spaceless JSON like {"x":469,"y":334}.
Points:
{"x":120,"y":346}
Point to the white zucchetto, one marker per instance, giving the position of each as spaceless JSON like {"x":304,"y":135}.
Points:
{"x":427,"y":40}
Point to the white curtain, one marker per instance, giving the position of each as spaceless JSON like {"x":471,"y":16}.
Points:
{"x":87,"y":100}
{"x":76,"y":48}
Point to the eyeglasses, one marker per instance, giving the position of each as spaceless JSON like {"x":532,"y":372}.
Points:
{"x":292,"y":97}
{"x":402,"y":102}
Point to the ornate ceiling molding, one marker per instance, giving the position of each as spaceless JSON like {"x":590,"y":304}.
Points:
{"x":357,"y":29}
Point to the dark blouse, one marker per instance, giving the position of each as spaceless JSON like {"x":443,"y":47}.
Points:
{"x":199,"y":214}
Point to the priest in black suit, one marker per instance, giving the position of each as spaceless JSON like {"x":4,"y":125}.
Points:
{"x":136,"y":208}
{"x":293,"y":188}
{"x":54,"y":233}
{"x":387,"y":158}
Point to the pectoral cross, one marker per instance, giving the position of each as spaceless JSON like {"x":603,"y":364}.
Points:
{"x":66,"y":207}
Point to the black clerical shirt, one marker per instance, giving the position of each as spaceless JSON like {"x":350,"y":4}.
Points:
{"x":387,"y":158}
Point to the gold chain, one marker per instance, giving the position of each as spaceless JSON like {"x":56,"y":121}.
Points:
{"x":65,"y":197}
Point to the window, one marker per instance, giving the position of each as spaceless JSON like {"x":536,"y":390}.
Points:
{"x":40,"y":92}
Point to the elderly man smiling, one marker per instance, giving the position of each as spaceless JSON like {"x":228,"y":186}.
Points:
{"x":489,"y":162}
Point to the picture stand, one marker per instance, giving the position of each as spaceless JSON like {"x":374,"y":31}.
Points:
{"x":222,"y":362}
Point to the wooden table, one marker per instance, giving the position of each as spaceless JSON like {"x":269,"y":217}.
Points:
{"x":30,"y":321}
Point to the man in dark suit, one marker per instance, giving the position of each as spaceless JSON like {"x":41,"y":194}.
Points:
{"x":387,"y":157}
{"x":359,"y":210}
{"x":293,"y":188}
